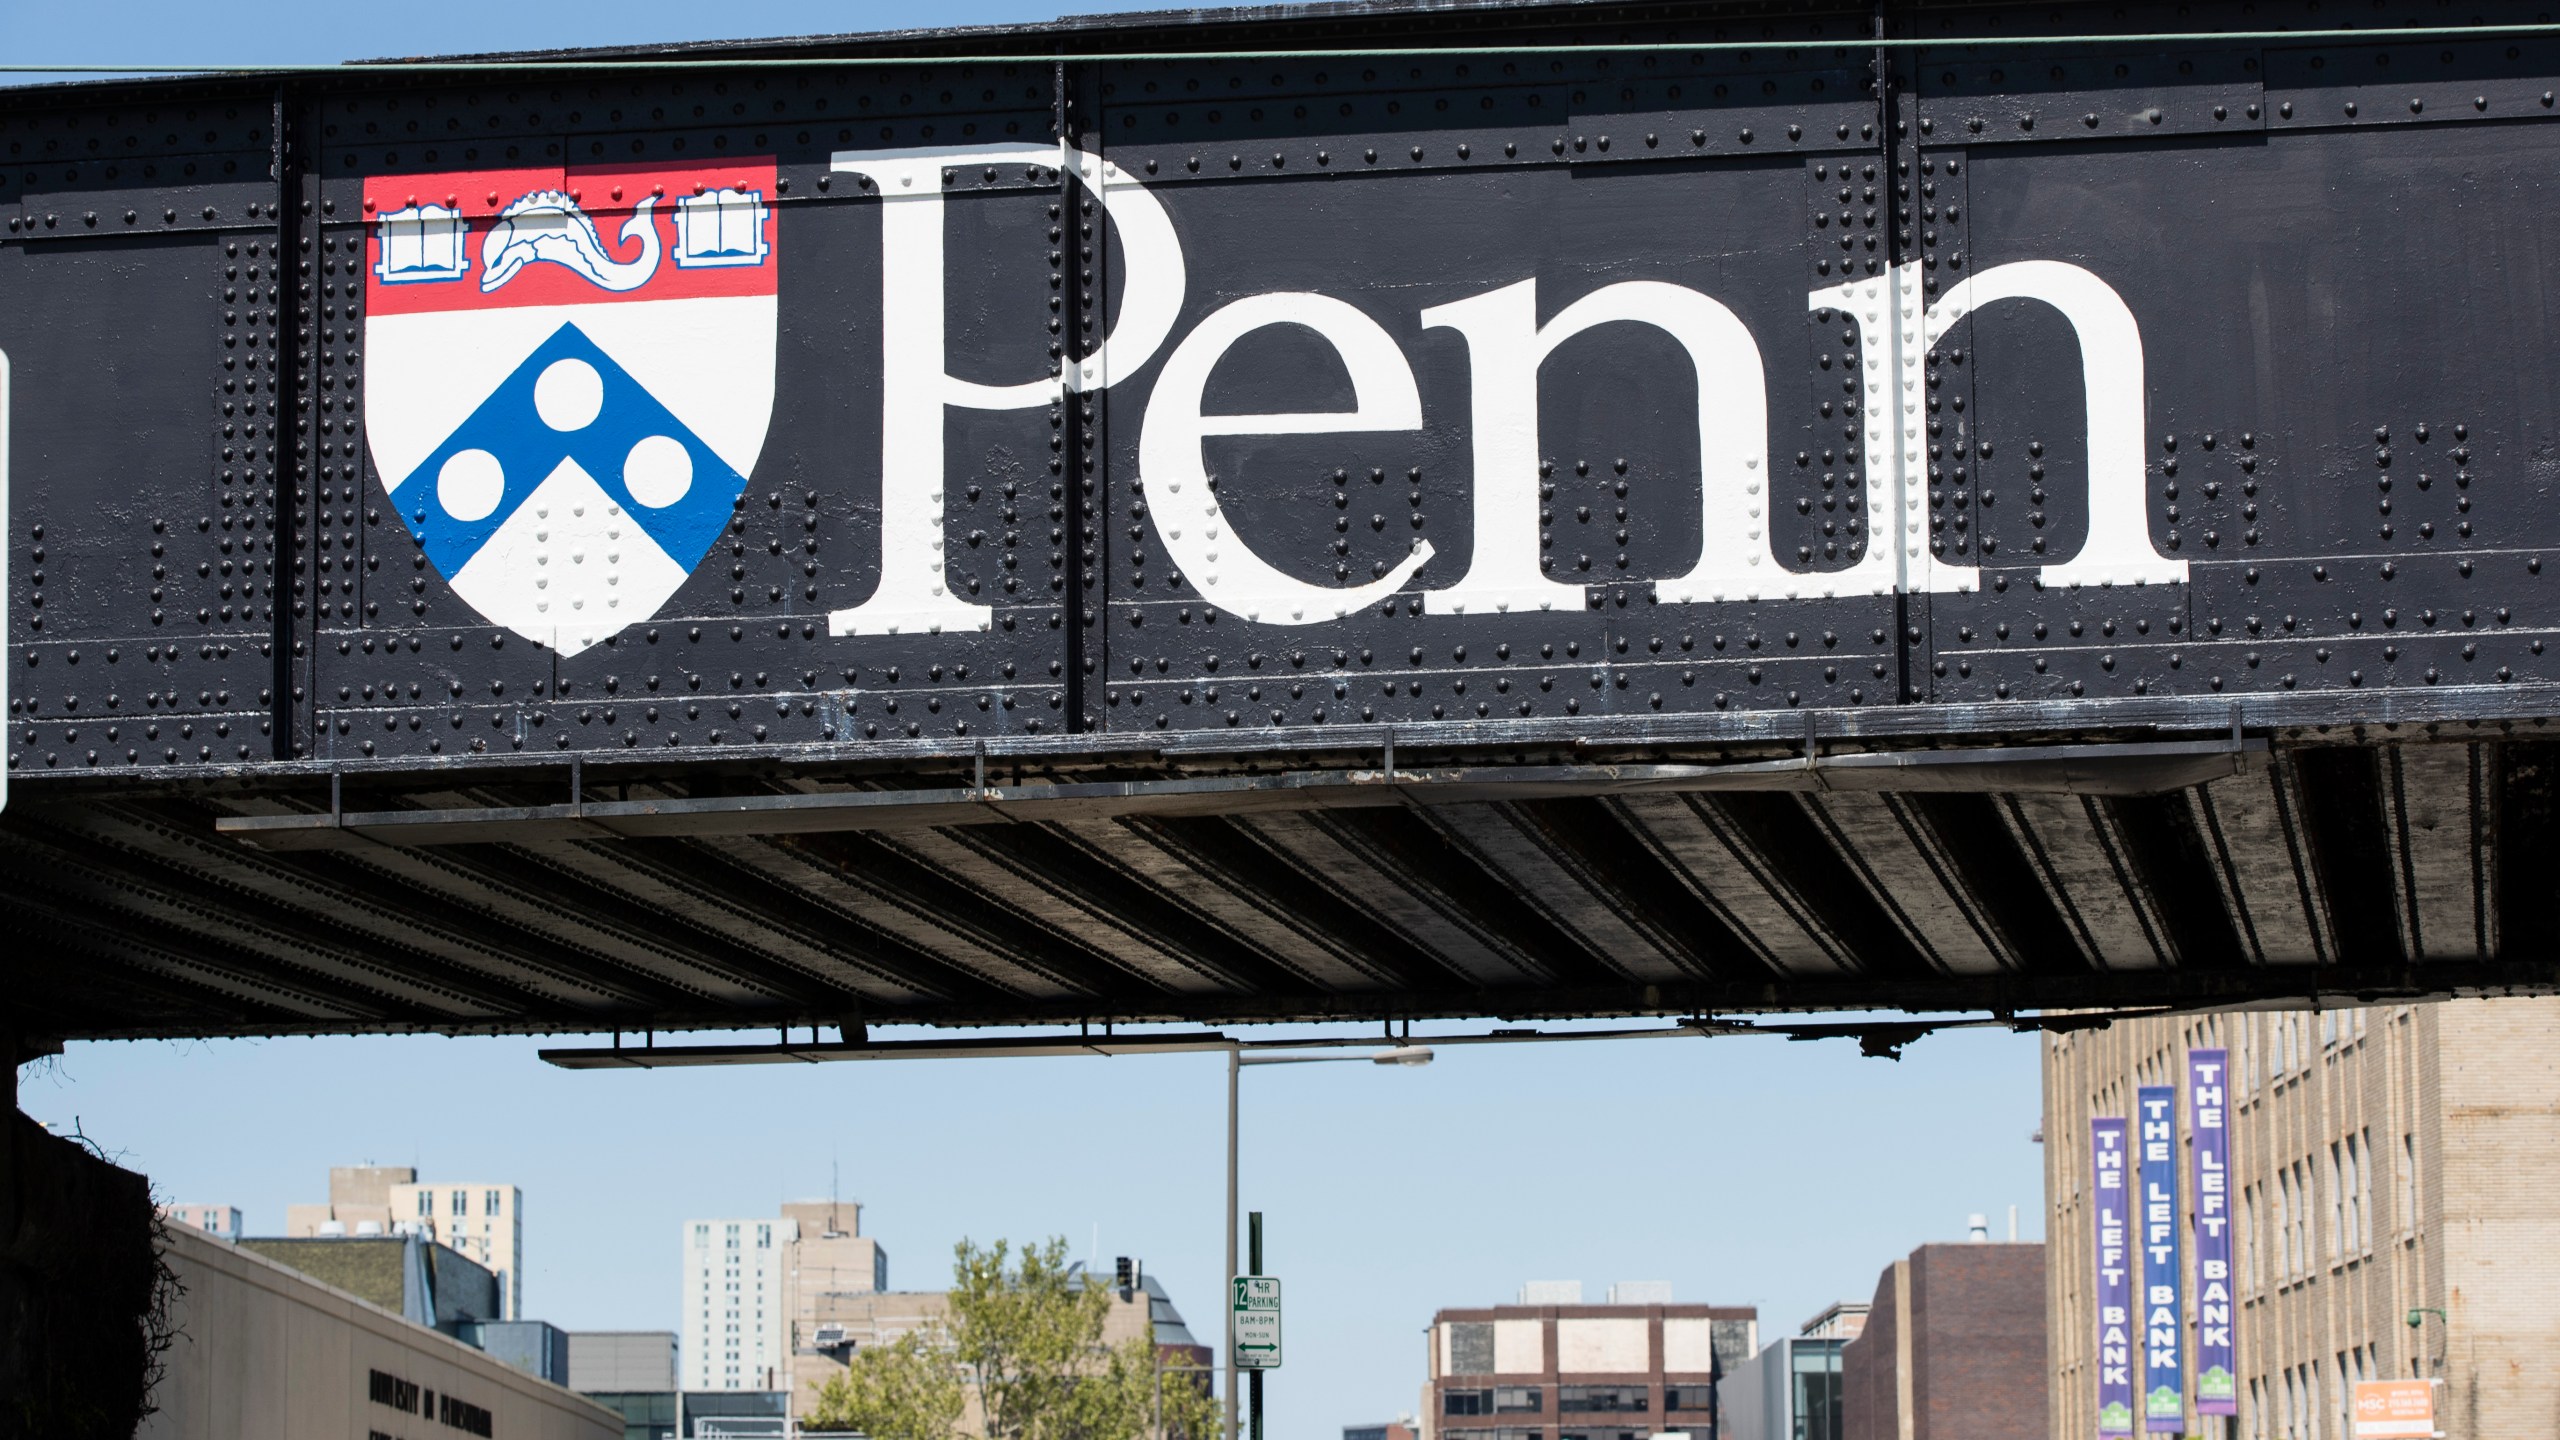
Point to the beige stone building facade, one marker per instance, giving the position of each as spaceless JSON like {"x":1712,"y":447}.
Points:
{"x":480,"y":1219}
{"x":2388,"y":1163}
{"x":265,"y":1352}
{"x":829,"y":1325}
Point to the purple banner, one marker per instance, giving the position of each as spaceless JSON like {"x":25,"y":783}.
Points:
{"x":2208,"y":1085}
{"x":2110,"y":1202}
{"x":2164,"y":1320}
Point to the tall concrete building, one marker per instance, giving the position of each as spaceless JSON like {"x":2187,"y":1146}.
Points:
{"x":746,"y":1281}
{"x":1552,"y":1368}
{"x":735,"y":1331}
{"x":482,"y":1220}
{"x":2388,"y":1164}
{"x":831,"y":1256}
{"x":359,"y":1203}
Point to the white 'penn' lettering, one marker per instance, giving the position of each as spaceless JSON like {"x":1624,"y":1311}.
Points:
{"x":1506,"y":348}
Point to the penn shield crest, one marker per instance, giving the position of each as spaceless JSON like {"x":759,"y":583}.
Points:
{"x":571,"y":376}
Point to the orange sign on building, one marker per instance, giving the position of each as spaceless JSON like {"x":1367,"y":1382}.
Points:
{"x":2391,"y":1409}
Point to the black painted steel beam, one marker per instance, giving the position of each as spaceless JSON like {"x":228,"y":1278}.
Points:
{"x":1783,"y":536}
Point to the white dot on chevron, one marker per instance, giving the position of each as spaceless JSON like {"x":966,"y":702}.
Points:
{"x":569,"y":395}
{"x":470,"y":485}
{"x":659,"y":470}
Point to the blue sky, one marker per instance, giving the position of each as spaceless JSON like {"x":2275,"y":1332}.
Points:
{"x":301,"y":32}
{"x":1743,"y":1171}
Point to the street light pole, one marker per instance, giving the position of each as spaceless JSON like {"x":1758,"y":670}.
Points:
{"x":1237,"y":1059}
{"x":1235,"y":1072}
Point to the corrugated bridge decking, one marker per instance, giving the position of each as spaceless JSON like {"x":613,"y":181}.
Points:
{"x":2301,"y":870}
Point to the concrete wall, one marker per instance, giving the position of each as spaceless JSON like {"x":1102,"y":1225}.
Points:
{"x":622,"y":1360}
{"x":2498,"y":1211}
{"x":77,"y":1274}
{"x":266,"y":1353}
{"x":1751,"y":1401}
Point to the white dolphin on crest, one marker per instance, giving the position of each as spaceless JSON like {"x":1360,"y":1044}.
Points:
{"x":548,"y":225}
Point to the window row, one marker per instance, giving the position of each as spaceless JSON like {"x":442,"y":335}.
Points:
{"x":492,"y":1203}
{"x":2282,"y":1048}
{"x":1573,"y":1399}
{"x":2312,"y":1401}
{"x":1495,"y":1400}
{"x":2322,"y":1197}
{"x":1572,"y":1432}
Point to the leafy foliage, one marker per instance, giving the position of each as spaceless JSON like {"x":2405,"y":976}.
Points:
{"x":1018,"y":1356}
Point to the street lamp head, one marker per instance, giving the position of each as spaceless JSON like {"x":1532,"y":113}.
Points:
{"x":1404,"y":1055}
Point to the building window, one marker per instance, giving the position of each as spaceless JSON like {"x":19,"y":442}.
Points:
{"x":2408,"y":1183}
{"x":461,"y":1202}
{"x":2305,"y":1218}
{"x":1466,"y":1402}
{"x":2284,"y":1226}
{"x":1692,"y":1397}
{"x":2341,"y":1237}
{"x":1602,"y":1398}
{"x":489,"y":1204}
{"x":2360,"y":1191}
{"x":2249,"y":1238}
{"x":1516,"y":1400}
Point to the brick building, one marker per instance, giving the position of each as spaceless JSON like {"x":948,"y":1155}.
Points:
{"x":1554,"y":1369}
{"x":1953,"y":1348}
{"x":2387,"y":1163}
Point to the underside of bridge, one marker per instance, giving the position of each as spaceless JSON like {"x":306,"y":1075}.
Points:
{"x":2176,"y":871}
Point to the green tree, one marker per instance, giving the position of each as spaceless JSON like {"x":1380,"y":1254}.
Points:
{"x":1019,"y":1355}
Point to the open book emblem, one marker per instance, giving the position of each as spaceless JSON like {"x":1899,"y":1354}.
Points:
{"x":721,"y":227}
{"x":422,"y":242}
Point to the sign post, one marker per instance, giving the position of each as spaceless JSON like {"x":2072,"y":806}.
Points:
{"x":1254,"y":1320}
